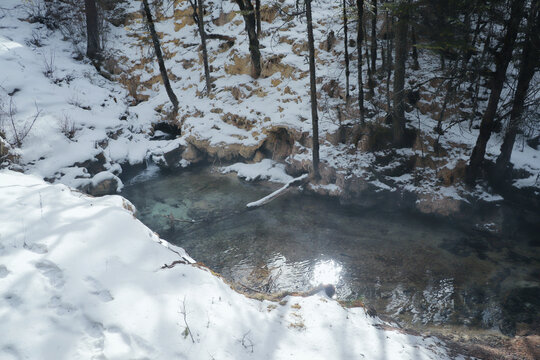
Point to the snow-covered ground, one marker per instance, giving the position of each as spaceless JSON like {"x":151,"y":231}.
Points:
{"x":82,"y":278}
{"x":44,"y":75}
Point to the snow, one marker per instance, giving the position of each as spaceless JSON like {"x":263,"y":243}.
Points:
{"x":266,"y":169}
{"x":107,"y":120}
{"x":82,"y":278}
{"x":276,"y":193}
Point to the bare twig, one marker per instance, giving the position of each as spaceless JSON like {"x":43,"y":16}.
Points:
{"x":19,"y":134}
{"x":187,"y":330}
{"x":246,"y":341}
{"x":171,"y":265}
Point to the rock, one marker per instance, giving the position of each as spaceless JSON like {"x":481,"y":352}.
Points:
{"x":353,"y":187}
{"x":224,"y":151}
{"x":295,"y":165}
{"x":172,"y":159}
{"x":278,"y":144}
{"x":103,"y":183}
{"x":105,"y":187}
{"x":192,"y":154}
{"x":437,"y":205}
{"x":327,"y":173}
{"x":94,"y":165}
{"x":534,"y":142}
{"x":258,"y":156}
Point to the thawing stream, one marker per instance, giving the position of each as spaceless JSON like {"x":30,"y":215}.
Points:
{"x":417,"y":270}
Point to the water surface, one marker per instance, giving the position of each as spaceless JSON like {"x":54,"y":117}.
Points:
{"x":418,"y":270}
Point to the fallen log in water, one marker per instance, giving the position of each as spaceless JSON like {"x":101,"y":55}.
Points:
{"x":265,"y":200}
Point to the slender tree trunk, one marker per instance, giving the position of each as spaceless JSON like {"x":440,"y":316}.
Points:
{"x":159,"y":55}
{"x":529,"y":60}
{"x":313,"y":91}
{"x":359,"y":38}
{"x":248,"y":13}
{"x":477,"y":78}
{"x":374,"y":37}
{"x":258,"y":15}
{"x":199,"y":9}
{"x":346,"y":45}
{"x":371,"y":83}
{"x":384,"y":56}
{"x":416,"y":65}
{"x":398,"y":116}
{"x":388,"y":60}
{"x":92,"y":31}
{"x":502,"y":59}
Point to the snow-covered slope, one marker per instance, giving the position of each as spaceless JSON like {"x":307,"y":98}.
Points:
{"x":82,"y":278}
{"x":114,"y":119}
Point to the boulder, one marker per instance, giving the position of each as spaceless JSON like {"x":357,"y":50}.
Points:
{"x":192,"y":154}
{"x":437,"y":205}
{"x":103,"y":183}
{"x":94,"y":165}
{"x":170,"y":159}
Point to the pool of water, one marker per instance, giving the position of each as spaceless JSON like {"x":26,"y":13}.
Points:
{"x":418,"y":270}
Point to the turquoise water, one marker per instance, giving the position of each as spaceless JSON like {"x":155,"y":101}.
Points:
{"x":418,"y":270}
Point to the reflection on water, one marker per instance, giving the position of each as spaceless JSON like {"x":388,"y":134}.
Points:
{"x":326,"y":272}
{"x":419,"y":271}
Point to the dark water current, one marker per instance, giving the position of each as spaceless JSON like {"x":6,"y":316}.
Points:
{"x":418,"y":270}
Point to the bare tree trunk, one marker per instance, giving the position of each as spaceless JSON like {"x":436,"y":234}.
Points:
{"x":371,"y":83}
{"x":198,"y":11}
{"x":502,"y":59}
{"x":248,"y":13}
{"x":384,"y":56}
{"x":159,"y":55}
{"x":529,"y":60}
{"x":92,"y":31}
{"x":258,"y":16}
{"x":359,"y":38}
{"x":346,"y":44}
{"x":398,"y":115}
{"x":374,"y":37}
{"x":388,"y":61}
{"x":477,"y":78}
{"x":416,"y":65}
{"x":313,"y":92}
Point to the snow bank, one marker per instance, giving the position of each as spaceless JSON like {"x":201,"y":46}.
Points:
{"x":82,"y":278}
{"x":264,"y":170}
